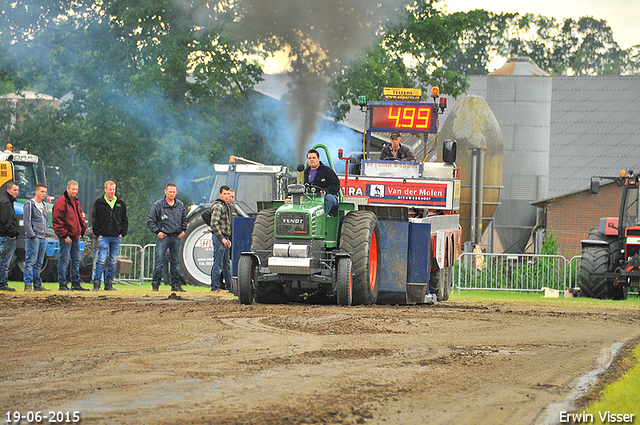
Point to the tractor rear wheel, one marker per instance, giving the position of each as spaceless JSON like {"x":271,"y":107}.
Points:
{"x":246,"y":283}
{"x":360,"y":237}
{"x":595,"y":260}
{"x":344,"y":284}
{"x":440,"y":283}
{"x":262,"y":245}
{"x":263,"y":235}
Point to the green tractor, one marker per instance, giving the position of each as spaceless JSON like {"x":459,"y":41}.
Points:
{"x":299,"y":254}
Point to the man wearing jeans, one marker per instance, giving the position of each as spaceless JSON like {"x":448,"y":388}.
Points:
{"x":168,"y":220}
{"x":109,"y":222}
{"x":9,"y":231}
{"x":36,"y":224}
{"x":69,"y":225}
{"x":221,"y":238}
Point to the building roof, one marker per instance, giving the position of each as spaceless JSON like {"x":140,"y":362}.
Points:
{"x":595,"y":130}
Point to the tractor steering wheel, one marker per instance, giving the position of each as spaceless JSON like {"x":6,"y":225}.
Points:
{"x":392,"y":158}
{"x":310,"y":186}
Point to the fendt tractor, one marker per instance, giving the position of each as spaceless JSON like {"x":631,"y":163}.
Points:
{"x":611,"y":255}
{"x":393,"y":239}
{"x":252,"y":182}
{"x":28,"y":171}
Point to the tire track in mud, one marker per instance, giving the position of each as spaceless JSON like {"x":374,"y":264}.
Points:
{"x":210,"y":360}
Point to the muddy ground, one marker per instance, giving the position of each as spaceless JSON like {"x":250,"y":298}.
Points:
{"x":197,"y":359}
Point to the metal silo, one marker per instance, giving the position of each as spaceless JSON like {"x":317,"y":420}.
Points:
{"x":519,"y":95}
{"x":472,"y":124}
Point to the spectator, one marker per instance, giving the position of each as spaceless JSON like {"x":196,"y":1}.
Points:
{"x":168,"y":220}
{"x":221,"y":236}
{"x":69,"y":226}
{"x":109,"y":224}
{"x":9,"y":231}
{"x":36,"y":225}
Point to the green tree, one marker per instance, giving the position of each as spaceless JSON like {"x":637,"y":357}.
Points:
{"x":583,"y":46}
{"x":408,"y":54}
{"x":150,"y":89}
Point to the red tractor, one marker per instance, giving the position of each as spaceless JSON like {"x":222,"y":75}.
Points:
{"x":611,"y":254}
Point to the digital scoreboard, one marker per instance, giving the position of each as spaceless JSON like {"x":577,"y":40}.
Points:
{"x":410,"y":117}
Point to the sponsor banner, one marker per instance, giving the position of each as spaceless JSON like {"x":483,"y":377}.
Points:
{"x":397,"y":93}
{"x":399,"y":193}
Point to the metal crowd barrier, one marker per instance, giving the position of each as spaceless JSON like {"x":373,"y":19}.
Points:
{"x":519,"y":272}
{"x":149,"y":255}
{"x":135,"y":254}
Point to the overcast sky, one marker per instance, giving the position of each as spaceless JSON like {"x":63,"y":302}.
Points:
{"x":621,"y":15}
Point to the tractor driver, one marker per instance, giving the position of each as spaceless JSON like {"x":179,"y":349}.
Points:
{"x":324,"y":177}
{"x":396,"y":151}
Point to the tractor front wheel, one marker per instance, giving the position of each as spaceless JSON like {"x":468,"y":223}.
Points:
{"x":344,"y":284}
{"x":246,"y":282}
{"x":440,"y":283}
{"x":270,"y":293}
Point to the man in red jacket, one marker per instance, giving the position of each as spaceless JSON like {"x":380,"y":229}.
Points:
{"x":69,"y":225}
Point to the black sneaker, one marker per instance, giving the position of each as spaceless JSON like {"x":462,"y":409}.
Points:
{"x":155,"y":286}
{"x":40,"y":288}
{"x":108,"y":286}
{"x":7,"y":288}
{"x":63,"y":287}
{"x":96,"y":285}
{"x":177,"y":288}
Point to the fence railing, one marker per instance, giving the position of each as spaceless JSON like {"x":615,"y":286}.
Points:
{"x":134,"y":253}
{"x":489,"y":271}
{"x":521,"y":272}
{"x":149,"y":251}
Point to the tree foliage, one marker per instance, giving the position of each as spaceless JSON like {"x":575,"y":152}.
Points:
{"x":408,"y":54}
{"x":583,"y":46}
{"x":151,"y":94}
{"x":156,"y":90}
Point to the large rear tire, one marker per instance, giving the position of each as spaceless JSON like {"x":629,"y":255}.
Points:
{"x":360,"y":237}
{"x":246,"y":282}
{"x":595,"y":259}
{"x":262,"y":245}
{"x":196,"y":252}
{"x":440,"y":283}
{"x":48,"y":272}
{"x":263,"y":235}
{"x":344,"y":284}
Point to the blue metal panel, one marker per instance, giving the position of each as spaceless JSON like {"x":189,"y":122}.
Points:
{"x":242,"y":229}
{"x":394,"y":237}
{"x":419,"y":264}
{"x":53,"y":249}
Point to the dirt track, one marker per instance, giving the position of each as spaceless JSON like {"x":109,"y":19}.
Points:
{"x":207,"y":359}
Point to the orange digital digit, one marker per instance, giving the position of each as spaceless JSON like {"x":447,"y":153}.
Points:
{"x":407,"y":117}
{"x":396,"y":117}
{"x":423,"y":118}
